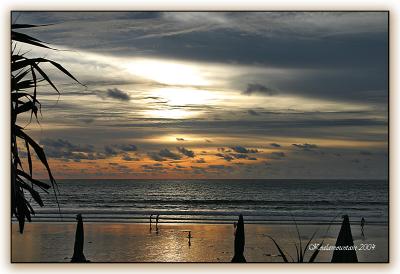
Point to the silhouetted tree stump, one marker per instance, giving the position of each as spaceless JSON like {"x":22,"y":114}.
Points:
{"x":78,"y":256}
{"x":238,"y":256}
{"x":345,"y":239}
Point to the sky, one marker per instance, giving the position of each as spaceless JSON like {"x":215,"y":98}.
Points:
{"x":179,"y":95}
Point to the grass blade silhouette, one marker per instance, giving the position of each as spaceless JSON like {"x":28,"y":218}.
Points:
{"x":279,"y":249}
{"x":315,"y":253}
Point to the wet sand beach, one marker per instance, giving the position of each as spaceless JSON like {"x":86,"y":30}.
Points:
{"x":123,"y":242}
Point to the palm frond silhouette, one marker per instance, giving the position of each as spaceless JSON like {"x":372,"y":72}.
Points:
{"x":26,"y":74}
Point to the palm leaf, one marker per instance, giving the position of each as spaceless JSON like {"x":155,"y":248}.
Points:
{"x":25,"y":26}
{"x":29,"y":157}
{"x":21,"y":102}
{"x":22,"y":210}
{"x":35,"y":195}
{"x":38,"y":150}
{"x":38,"y":183}
{"x":17,"y":78}
{"x":28,"y":106}
{"x":22,"y":85}
{"x":35,"y":84}
{"x":16,"y":57}
{"x":34,"y":63}
{"x":23,"y":38}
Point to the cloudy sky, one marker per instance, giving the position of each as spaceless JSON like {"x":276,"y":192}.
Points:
{"x":215,"y":95}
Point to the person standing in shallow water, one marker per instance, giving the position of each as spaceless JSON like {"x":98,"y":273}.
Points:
{"x":189,"y":237}
{"x":362,"y":225}
{"x":151,"y":216}
{"x":157,"y":217}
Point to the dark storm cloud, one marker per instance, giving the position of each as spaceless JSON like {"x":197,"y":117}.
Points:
{"x":198,"y":170}
{"x":276,"y":155}
{"x":77,"y":16}
{"x":128,"y":147}
{"x":239,"y":155}
{"x":61,"y":143}
{"x":169,"y":154}
{"x":200,"y":161}
{"x":87,"y":120}
{"x":367,"y":153}
{"x":67,"y":151}
{"x":226,"y":157}
{"x":367,"y":84}
{"x":295,"y":125}
{"x":323,"y":46}
{"x":163,"y":155}
{"x":110,"y":151}
{"x":258,"y":88}
{"x":154,"y":156}
{"x":296,"y":121}
{"x":275,"y":145}
{"x":186,"y":152}
{"x":252,"y":112}
{"x":220,"y":167}
{"x":313,"y":125}
{"x":241,"y":149}
{"x":152,"y":168}
{"x":118,"y":94}
{"x":340,"y":57}
{"x":275,"y":38}
{"x":127,"y":157}
{"x":305,"y":147}
{"x":193,"y":107}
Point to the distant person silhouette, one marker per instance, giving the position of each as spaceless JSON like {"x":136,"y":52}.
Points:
{"x":157,"y":217}
{"x":189,"y":237}
{"x":362,"y":225}
{"x":150,"y":220}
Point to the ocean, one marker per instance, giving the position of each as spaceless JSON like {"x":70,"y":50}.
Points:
{"x":217,"y":201}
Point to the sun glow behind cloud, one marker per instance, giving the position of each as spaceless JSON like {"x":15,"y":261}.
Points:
{"x":185,"y":96}
{"x":177,"y":98}
{"x":170,"y":113}
{"x":202,"y":100}
{"x":167,"y":72}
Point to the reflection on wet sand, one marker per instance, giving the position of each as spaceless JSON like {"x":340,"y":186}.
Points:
{"x":119,"y":242}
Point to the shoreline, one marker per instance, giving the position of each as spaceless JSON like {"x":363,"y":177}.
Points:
{"x":183,"y":222}
{"x":132,"y":242}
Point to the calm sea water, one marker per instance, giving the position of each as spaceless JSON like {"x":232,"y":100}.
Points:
{"x":218,"y":201}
